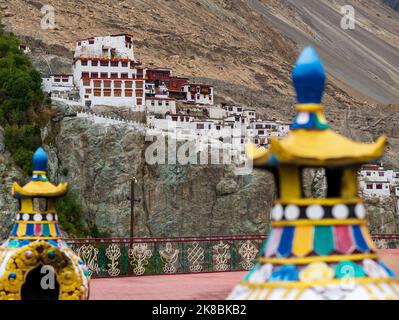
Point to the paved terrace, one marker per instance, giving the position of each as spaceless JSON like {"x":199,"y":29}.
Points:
{"x":210,"y":286}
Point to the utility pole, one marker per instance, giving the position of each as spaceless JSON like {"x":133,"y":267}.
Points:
{"x":132,"y":200}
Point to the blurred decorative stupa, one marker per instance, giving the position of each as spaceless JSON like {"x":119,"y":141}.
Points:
{"x":317,"y":248}
{"x":35,"y":241}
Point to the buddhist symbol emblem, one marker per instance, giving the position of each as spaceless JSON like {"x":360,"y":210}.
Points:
{"x":169,"y":255}
{"x":89,"y":255}
{"x":221,"y":256}
{"x":195,"y":257}
{"x":248,"y":253}
{"x":139,"y":255}
{"x":113,"y":253}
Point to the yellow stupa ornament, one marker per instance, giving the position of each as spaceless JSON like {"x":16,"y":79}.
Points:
{"x":317,"y":248}
{"x":35,"y":263}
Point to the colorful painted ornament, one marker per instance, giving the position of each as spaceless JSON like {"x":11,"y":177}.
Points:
{"x":317,"y":248}
{"x":35,"y":243}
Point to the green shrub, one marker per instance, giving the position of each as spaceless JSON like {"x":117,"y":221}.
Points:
{"x":70,"y":215}
{"x":23,"y":108}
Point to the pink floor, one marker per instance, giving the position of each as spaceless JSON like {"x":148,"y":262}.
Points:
{"x":212,"y":286}
{"x":208,"y":286}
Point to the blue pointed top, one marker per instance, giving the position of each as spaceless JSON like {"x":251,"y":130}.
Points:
{"x":40,"y":160}
{"x":308,"y":77}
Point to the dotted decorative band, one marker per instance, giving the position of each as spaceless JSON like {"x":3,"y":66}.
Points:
{"x":292,"y":212}
{"x":36,"y":217}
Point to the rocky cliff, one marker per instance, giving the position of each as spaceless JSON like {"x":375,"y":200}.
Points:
{"x":172,"y":200}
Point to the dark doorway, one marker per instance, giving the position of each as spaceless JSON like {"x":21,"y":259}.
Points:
{"x":334,"y":182}
{"x":32,"y":288}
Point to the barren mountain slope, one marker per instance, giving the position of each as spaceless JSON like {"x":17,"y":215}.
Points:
{"x":366,"y":58}
{"x":217,"y":39}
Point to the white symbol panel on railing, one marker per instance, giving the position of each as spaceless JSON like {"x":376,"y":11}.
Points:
{"x":89,"y":255}
{"x":195,"y":257}
{"x":248,"y":253}
{"x":221,"y":256}
{"x":381,"y":243}
{"x":113,"y":253}
{"x":170,"y":256}
{"x":139,"y":255}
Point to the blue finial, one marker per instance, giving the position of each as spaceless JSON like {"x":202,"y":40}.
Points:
{"x":308,"y":77}
{"x":40,"y":160}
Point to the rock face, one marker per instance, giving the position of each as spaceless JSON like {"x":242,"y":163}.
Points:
{"x":8,"y":174}
{"x":382,"y":214}
{"x":171,"y":200}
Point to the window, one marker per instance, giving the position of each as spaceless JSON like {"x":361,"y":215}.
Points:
{"x":124,"y":64}
{"x":104,"y":74}
{"x":200,"y":126}
{"x":159,"y":103}
{"x":261,"y":132}
{"x":139,"y":101}
{"x":152,"y":102}
{"x":114,"y":75}
{"x":84,"y":62}
{"x":39,"y":204}
{"x":368,"y":173}
{"x":217,"y":127}
{"x":128,"y":84}
{"x":378,"y":186}
{"x":65,"y":80}
{"x":381,"y":174}
{"x":258,"y":126}
{"x":124,"y":75}
{"x":239,"y":109}
{"x":85,"y":74}
{"x":139,"y":93}
{"x":97,"y":93}
{"x":198,"y":96}
{"x":91,"y":41}
{"x":107,"y":93}
{"x":117,"y":84}
{"x":107,"y":84}
{"x":117,"y":93}
{"x":104,"y":63}
{"x":114,"y":63}
{"x":94,"y":74}
{"x":139,"y":84}
{"x":97,"y":84}
{"x":256,"y":141}
{"x":167,"y":103}
{"x":94,"y":63}
{"x":86,"y":83}
{"x":174,"y":118}
{"x":88,"y":91}
{"x":128,"y":93}
{"x":57,"y":80}
{"x":369,"y":186}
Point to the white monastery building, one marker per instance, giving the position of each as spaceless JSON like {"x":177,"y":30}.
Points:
{"x":375,"y":181}
{"x":58,"y":83}
{"x":106,"y":72}
{"x":199,"y":93}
